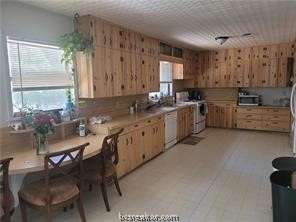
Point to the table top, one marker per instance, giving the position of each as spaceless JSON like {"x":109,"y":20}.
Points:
{"x":28,"y":161}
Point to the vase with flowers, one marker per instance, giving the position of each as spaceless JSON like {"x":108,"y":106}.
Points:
{"x":43,"y":125}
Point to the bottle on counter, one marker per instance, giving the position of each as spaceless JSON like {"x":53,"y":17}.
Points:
{"x":81,"y":128}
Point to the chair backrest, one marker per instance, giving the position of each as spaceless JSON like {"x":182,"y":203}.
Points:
{"x":110,"y":150}
{"x":54,"y":162}
{"x":4,"y":184}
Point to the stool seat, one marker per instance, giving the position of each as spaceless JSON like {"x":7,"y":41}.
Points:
{"x":284,"y":163}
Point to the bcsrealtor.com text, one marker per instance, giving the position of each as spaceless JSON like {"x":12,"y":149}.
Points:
{"x":147,"y":217}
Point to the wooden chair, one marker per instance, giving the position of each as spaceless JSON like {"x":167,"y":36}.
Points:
{"x":59,"y":187}
{"x":102,"y":168}
{"x":6,"y":196}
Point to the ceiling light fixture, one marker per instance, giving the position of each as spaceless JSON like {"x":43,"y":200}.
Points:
{"x":223,"y":39}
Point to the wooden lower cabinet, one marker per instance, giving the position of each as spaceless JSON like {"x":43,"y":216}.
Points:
{"x":138,"y":146}
{"x":220,"y":114}
{"x":185,"y":122}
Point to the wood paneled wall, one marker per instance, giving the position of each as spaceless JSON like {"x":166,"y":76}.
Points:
{"x":112,"y":106}
{"x":219,"y":94}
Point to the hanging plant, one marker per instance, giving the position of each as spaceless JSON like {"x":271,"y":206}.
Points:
{"x":74,"y":42}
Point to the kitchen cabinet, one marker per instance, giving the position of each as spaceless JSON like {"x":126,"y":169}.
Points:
{"x":273,"y":72}
{"x":270,"y":119}
{"x":184,"y":122}
{"x":123,"y":62}
{"x":187,"y":64}
{"x":238,"y":73}
{"x":140,"y":143}
{"x":220,"y":114}
{"x":247,"y":72}
{"x":263,"y":75}
{"x":255,"y":67}
{"x":217,"y":74}
{"x":178,"y":72}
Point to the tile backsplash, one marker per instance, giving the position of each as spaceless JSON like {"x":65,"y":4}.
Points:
{"x":270,"y":96}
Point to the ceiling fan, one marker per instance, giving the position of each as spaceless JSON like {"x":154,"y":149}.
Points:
{"x":223,"y":39}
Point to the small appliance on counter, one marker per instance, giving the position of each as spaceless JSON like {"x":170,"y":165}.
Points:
{"x":248,"y":100}
{"x":194,"y":95}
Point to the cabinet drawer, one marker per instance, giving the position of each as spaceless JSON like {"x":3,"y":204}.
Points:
{"x":276,"y":126}
{"x":276,"y":111}
{"x":249,"y":124}
{"x":249,"y":110}
{"x":248,"y":116}
{"x":268,"y":117}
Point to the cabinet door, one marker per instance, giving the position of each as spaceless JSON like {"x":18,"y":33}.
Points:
{"x":247,"y":72}
{"x":274,"y":51}
{"x":255,"y":52}
{"x":282,"y":74}
{"x":239,"y":54}
{"x":255,"y":72}
{"x":149,"y":142}
{"x":103,"y":33}
{"x":123,"y":165}
{"x":228,"y":118}
{"x":141,"y":86}
{"x":118,"y":66}
{"x":247,"y":53}
{"x":160,"y":136}
{"x":273,"y":77}
{"x":155,"y":74}
{"x":217,"y":116}
{"x":129,"y":73}
{"x":145,"y":74}
{"x":264,"y":52}
{"x":239,"y":75}
{"x":225,"y":73}
{"x":136,"y":151}
{"x":217,"y":75}
{"x":210,"y":120}
{"x":118,"y":37}
{"x":231,"y":55}
{"x":177,"y":71}
{"x":264,"y":68}
{"x":208,"y":73}
{"x":231,"y":74}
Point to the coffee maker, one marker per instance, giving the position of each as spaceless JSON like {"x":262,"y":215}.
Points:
{"x":194,"y":94}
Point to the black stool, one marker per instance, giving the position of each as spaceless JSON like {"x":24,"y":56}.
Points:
{"x":284,"y":163}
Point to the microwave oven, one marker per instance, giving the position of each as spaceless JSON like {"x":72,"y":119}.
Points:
{"x":248,"y":100}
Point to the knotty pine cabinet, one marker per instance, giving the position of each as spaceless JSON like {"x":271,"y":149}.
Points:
{"x":140,"y":143}
{"x":220,"y":114}
{"x":185,"y":122}
{"x":258,"y":66}
{"x":122,"y":62}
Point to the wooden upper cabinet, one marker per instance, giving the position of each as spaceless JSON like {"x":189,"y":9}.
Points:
{"x":231,"y":55}
{"x":273,"y":75}
{"x":239,"y":54}
{"x":217,"y":75}
{"x":247,"y":53}
{"x":274,"y":51}
{"x":238,"y":73}
{"x":263,"y":75}
{"x":247,"y":72}
{"x":177,"y":71}
{"x":264,"y":52}
{"x":286,"y":50}
{"x":255,"y":72}
{"x":188,"y":64}
{"x":255,"y":52}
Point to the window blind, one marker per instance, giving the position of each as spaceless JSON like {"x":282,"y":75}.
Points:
{"x":36,"y":66}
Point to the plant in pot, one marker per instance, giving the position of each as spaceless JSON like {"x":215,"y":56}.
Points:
{"x":74,"y":42}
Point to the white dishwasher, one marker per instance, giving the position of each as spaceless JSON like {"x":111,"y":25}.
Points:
{"x":170,"y":129}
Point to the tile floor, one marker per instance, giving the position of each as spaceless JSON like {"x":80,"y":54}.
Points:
{"x":224,"y":178}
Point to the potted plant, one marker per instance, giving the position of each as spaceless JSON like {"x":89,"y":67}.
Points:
{"x":43,"y":124}
{"x":74,"y":42}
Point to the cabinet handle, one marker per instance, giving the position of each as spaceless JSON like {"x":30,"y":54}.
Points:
{"x":91,"y":24}
{"x":132,"y":77}
{"x":122,"y":87}
{"x":121,"y":59}
{"x":121,"y":45}
{"x":132,"y":140}
{"x":94,"y":87}
{"x":126,"y":141}
{"x":249,"y":121}
{"x":136,"y":125}
{"x":106,"y":76}
{"x":149,"y":121}
{"x":110,"y":40}
{"x":136,"y":78}
{"x":143,"y":86}
{"x":111,"y":76}
{"x":143,"y":62}
{"x":143,"y":133}
{"x":153,"y":130}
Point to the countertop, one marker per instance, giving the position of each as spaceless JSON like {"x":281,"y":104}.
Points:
{"x":129,"y":119}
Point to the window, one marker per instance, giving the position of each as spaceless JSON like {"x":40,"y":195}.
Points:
{"x":166,"y":82}
{"x":38,"y":78}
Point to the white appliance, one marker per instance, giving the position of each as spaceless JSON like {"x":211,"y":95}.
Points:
{"x":293,"y":110}
{"x":170,"y":129}
{"x":200,"y":110}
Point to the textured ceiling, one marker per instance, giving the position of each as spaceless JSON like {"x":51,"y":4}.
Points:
{"x":191,"y":23}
